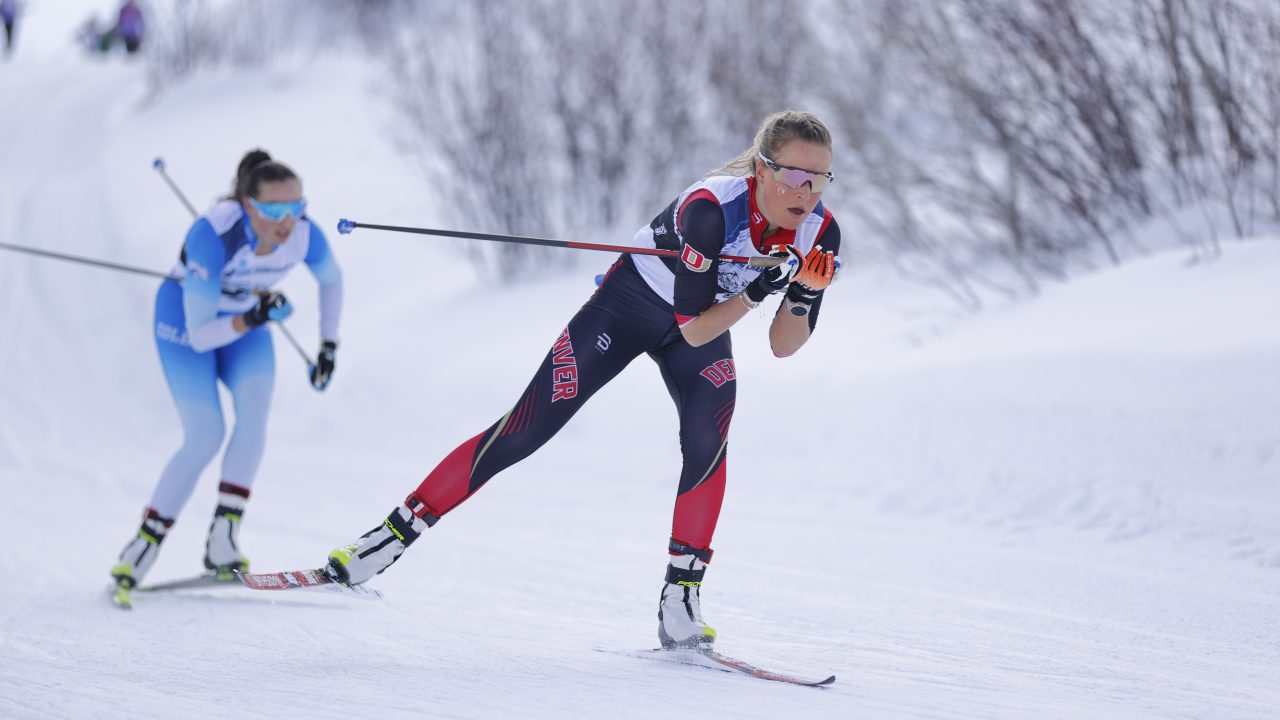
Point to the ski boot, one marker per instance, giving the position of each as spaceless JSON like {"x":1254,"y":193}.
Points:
{"x":138,"y":556}
{"x":377,"y":549}
{"x":680,"y":622}
{"x":222,"y":556}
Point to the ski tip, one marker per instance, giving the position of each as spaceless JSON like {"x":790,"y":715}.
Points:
{"x":345,"y":226}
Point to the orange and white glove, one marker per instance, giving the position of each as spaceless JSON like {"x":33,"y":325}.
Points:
{"x":815,"y":275}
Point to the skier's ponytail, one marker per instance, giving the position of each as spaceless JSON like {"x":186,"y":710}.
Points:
{"x":257,"y":167}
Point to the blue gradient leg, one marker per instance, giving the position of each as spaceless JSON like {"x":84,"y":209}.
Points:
{"x":192,"y":379}
{"x":248,"y":368}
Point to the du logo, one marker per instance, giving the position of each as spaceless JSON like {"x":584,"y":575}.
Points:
{"x":694,"y":260}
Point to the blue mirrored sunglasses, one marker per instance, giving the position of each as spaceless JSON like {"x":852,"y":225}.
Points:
{"x":278,"y":211}
{"x":795,"y":177}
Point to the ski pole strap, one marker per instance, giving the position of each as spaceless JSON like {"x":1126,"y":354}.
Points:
{"x":678,"y":548}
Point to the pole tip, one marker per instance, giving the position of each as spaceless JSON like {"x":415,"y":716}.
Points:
{"x":158,"y":163}
{"x":345,"y":226}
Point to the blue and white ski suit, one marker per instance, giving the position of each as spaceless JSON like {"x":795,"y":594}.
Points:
{"x":198,"y":345}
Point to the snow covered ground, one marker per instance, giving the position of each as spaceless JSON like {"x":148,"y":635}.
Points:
{"x":1062,"y":508}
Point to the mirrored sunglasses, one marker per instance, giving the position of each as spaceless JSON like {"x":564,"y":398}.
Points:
{"x":278,"y":211}
{"x":794,"y":177}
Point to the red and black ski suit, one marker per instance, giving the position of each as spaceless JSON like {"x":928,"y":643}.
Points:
{"x":639,"y":308}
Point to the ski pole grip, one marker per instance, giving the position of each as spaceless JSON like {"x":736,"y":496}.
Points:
{"x":767,"y":261}
{"x":158,"y":164}
{"x":345,"y":226}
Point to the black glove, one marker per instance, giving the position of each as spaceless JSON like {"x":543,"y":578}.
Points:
{"x":271,"y":306}
{"x":776,"y":278}
{"x":323,"y":369}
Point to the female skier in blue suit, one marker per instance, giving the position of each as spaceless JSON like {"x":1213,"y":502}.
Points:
{"x":211,"y":326}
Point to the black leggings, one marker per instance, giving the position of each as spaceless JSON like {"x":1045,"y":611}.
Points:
{"x":622,"y":320}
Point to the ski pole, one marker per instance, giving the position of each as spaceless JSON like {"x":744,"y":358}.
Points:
{"x":346,"y":226}
{"x":136,"y":271}
{"x":159,"y":165}
{"x":89,"y":261}
{"x":295,"y":344}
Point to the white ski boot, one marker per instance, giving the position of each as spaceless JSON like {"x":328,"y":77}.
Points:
{"x":680,"y":622}
{"x":139,"y":555}
{"x":377,"y":549}
{"x":222,"y":553}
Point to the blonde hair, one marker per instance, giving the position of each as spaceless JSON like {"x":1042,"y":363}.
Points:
{"x":777,"y":130}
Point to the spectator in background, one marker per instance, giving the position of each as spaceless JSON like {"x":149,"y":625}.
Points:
{"x":129,"y":26}
{"x":92,"y":38}
{"x":8,"y":13}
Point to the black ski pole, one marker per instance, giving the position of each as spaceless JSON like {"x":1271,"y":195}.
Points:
{"x":159,"y":165}
{"x":346,"y":226}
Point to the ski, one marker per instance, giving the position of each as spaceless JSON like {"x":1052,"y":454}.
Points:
{"x":734,"y":664}
{"x":202,"y":580}
{"x":303,"y":580}
{"x":123,"y":596}
{"x":713,"y":660}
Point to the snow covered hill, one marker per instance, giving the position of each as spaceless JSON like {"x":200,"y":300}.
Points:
{"x":1068,"y":507}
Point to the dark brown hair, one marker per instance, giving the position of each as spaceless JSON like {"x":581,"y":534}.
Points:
{"x":257,"y":167}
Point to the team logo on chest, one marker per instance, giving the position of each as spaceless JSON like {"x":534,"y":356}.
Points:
{"x":564,"y":369}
